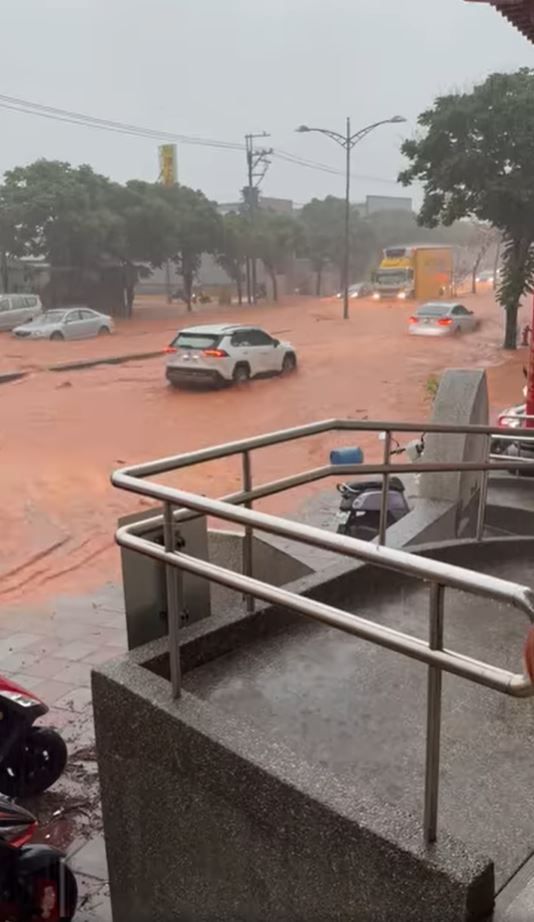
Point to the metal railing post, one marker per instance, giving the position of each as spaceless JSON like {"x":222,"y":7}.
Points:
{"x":249,"y":533}
{"x":433,"y":716}
{"x":483,"y":493}
{"x":384,"y":502}
{"x":173,"y":579}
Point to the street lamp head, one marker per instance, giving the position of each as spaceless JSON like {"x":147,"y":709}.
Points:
{"x":303,"y":128}
{"x":397,"y":119}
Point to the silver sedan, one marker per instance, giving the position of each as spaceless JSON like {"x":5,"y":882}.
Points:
{"x":66,"y":323}
{"x":442,"y":318}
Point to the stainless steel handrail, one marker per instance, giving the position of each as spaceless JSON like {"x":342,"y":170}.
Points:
{"x":437,"y":573}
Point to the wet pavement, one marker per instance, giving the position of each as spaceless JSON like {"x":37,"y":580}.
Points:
{"x":51,"y":649}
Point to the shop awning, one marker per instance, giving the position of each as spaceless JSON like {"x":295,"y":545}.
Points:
{"x":519,"y":12}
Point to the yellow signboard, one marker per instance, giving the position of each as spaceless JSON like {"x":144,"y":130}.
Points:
{"x":168,"y":168}
{"x":402,"y":262}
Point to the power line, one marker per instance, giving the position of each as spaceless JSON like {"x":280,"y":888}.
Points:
{"x":315,"y":165}
{"x":27,"y":107}
{"x":89,"y":121}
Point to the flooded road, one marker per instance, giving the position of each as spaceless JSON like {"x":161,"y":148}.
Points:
{"x":63,"y":433}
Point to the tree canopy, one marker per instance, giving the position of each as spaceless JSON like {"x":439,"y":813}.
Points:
{"x":276,"y":238}
{"x":85,"y":226}
{"x":473,"y":156}
{"x":233,"y":249}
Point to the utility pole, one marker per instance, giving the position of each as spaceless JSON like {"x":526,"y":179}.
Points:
{"x":257,"y":165}
{"x":346,"y":236}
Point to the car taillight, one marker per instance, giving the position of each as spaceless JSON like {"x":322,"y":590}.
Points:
{"x":169,"y":350}
{"x":215,"y":353}
{"x":444,"y":321}
{"x":414,"y":319}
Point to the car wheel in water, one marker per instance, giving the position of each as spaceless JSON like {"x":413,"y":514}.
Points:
{"x":289,"y":364}
{"x":56,"y":335}
{"x":104,"y":331}
{"x":241,"y":374}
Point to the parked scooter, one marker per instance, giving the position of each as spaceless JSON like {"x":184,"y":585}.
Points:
{"x":31,"y":758}
{"x":35,"y":883}
{"x":361,"y":500}
{"x":512,"y":421}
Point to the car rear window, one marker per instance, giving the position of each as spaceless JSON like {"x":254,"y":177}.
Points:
{"x":432,"y":310}
{"x":196,"y":340}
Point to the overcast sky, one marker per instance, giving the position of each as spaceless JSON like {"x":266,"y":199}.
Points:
{"x":221,"y":68}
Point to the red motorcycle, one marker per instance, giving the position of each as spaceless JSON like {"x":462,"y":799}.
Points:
{"x":35,"y":883}
{"x":31,"y":758}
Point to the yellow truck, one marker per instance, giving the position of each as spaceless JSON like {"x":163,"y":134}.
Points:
{"x":421,"y":272}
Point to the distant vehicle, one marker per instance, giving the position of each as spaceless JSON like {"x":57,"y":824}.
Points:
{"x":488,"y":276}
{"x":358,"y":290}
{"x":226,"y":354}
{"x":66,"y":323}
{"x":197,"y":296}
{"x":417,"y":271}
{"x":17,"y":309}
{"x":442,"y":318}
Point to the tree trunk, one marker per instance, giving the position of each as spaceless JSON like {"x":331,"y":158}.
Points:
{"x":274,"y":284}
{"x":187,"y":275}
{"x":474,"y":279}
{"x":4,"y":272}
{"x":318,"y":281}
{"x":517,"y":270}
{"x":496,"y":264}
{"x":239,"y":286}
{"x":510,"y":333}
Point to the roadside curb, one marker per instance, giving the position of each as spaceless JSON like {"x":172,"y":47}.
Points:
{"x":110,"y":360}
{"x":8,"y":376}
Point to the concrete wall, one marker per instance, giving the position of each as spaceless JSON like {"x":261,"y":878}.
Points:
{"x":145,"y":600}
{"x":462,"y":399}
{"x":270,"y":564}
{"x":206,"y":819}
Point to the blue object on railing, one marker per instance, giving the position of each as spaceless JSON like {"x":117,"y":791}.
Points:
{"x":346,"y":456}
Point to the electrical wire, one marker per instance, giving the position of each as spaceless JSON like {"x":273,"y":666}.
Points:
{"x":315,"y":165}
{"x":26,"y":107}
{"x":89,"y":121}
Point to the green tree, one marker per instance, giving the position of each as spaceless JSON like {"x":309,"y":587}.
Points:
{"x":10,"y":244}
{"x":233,"y":249}
{"x":322,"y":224}
{"x":68,"y":215}
{"x":474,"y":158}
{"x":196,"y":228}
{"x":323,"y":238}
{"x":276,"y":238}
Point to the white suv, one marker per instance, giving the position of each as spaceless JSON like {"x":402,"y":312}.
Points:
{"x":226,"y":353}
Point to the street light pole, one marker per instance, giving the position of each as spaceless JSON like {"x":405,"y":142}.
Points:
{"x":346,"y":260}
{"x":348,"y":141}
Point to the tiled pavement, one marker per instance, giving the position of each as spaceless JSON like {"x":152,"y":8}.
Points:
{"x":51,"y":649}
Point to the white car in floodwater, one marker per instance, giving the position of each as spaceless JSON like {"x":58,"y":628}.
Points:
{"x":66,"y":323}
{"x":226,"y":354}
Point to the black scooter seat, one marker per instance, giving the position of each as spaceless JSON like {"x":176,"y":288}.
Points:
{"x":362,"y":486}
